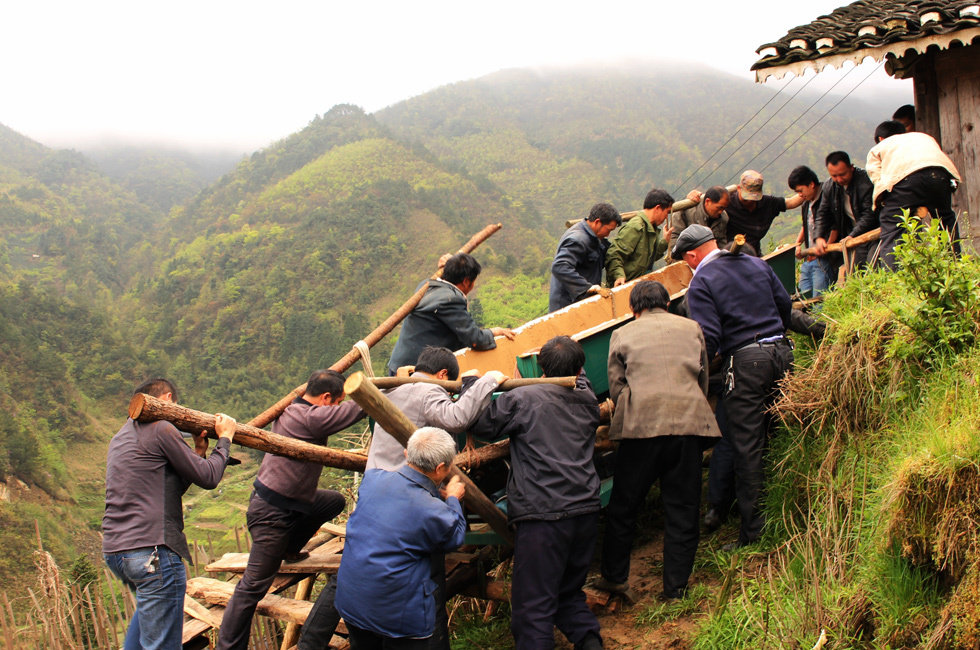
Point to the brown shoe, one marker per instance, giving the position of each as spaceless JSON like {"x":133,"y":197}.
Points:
{"x":299,"y":556}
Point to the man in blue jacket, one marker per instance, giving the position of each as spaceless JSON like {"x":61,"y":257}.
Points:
{"x":744,"y":312}
{"x":385,"y":590}
{"x":581,"y":256}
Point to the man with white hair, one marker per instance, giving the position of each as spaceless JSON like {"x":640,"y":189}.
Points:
{"x":385,"y":590}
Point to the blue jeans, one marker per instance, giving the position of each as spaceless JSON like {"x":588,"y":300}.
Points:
{"x":159,"y":618}
{"x":813,"y":279}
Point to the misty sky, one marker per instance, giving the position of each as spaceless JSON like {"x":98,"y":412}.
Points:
{"x":242,"y":74}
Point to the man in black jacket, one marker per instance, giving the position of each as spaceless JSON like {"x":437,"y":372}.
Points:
{"x":846,"y":209}
{"x":441,"y":318}
{"x":553,"y":498}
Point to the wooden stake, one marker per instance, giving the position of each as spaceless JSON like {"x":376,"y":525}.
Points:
{"x":382,"y":330}
{"x":145,"y":408}
{"x":737,"y":243}
{"x":291,"y":636}
{"x":401,"y":428}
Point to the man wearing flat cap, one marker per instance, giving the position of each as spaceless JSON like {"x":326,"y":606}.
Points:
{"x":751,"y":213}
{"x":743,"y":311}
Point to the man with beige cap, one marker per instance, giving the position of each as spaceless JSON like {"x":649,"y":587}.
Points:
{"x":751,"y":213}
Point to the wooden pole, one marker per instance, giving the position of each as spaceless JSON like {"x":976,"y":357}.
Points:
{"x":382,"y":330}
{"x":737,"y":243}
{"x":401,"y":428}
{"x":838,"y":247}
{"x":145,"y":408}
{"x":291,"y":636}
{"x":384,"y":383}
{"x":470,"y":460}
{"x":683,"y":204}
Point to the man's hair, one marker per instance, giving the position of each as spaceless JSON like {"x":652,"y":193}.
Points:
{"x":888,"y":129}
{"x":715,"y":193}
{"x":325,"y":381}
{"x":835,"y":157}
{"x":429,"y":447}
{"x":459,"y":267}
{"x":605,"y":213}
{"x":801,"y":175}
{"x":648,"y":294}
{"x":562,"y":356}
{"x":657,"y":199}
{"x":904,"y":112}
{"x":157,"y":387}
{"x":432,"y":359}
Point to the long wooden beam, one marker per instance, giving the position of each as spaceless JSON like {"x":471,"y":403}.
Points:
{"x":454,"y":386}
{"x":215,"y":592}
{"x":401,"y":428}
{"x":382,"y":330}
{"x":838,"y":247}
{"x":683,"y":204}
{"x":146,"y":408}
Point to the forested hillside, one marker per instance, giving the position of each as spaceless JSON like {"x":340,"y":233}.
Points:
{"x":110,"y":272}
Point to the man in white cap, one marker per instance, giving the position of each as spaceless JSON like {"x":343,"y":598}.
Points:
{"x":751,"y":213}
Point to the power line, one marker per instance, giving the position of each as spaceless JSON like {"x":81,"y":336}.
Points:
{"x":732,"y":136}
{"x":791,"y":124}
{"x":859,"y":84}
{"x":761,"y":126}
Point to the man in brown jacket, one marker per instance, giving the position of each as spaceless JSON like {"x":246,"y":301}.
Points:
{"x":658,"y":376}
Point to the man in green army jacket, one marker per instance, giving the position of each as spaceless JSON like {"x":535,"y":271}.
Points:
{"x":640,"y":241}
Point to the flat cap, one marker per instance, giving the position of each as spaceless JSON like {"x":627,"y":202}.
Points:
{"x":692,"y":237}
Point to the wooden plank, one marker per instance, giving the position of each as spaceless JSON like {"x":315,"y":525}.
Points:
{"x":577,"y":317}
{"x":215,"y":592}
{"x":194,"y":627}
{"x":196,"y":610}
{"x":326,"y":558}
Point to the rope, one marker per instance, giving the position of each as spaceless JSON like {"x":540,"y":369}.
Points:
{"x":761,"y":126}
{"x":732,"y":136}
{"x":365,"y":351}
{"x":826,"y":113}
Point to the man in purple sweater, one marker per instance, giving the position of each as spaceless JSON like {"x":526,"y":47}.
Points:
{"x":286,"y":508}
{"x":148,"y":469}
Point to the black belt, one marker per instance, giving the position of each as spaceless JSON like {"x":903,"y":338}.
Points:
{"x":782,"y":340}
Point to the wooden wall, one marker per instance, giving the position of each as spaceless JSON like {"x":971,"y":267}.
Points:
{"x":947,"y":106}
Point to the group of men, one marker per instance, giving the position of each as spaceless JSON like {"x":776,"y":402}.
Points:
{"x":390,"y":588}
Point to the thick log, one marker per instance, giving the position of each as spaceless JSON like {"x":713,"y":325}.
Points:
{"x":385,"y":383}
{"x":145,"y":408}
{"x":737,"y":243}
{"x":215,"y":592}
{"x":401,"y":428}
{"x":480,"y":456}
{"x":683,"y":204}
{"x":382,"y":330}
{"x":838,"y":247}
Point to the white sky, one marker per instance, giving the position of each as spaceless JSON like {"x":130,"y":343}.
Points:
{"x":242,"y":74}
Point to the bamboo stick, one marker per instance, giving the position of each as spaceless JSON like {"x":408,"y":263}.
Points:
{"x":838,"y":247}
{"x":683,"y":204}
{"x":455,"y":386}
{"x":401,"y":428}
{"x":145,"y":408}
{"x":382,"y":330}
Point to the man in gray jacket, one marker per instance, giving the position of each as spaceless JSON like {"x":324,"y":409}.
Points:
{"x":148,"y":469}
{"x":658,"y":376}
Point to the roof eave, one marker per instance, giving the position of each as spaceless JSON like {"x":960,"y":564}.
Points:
{"x":895,"y":50}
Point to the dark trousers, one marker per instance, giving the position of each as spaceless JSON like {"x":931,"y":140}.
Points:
{"x":551,"y":560}
{"x":361,"y":639}
{"x":676,"y":462}
{"x":275,"y":532}
{"x":721,"y":468}
{"x":756,"y":369}
{"x":929,"y":187}
{"x":321,"y":623}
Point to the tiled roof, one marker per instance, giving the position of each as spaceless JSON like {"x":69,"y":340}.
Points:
{"x":874,"y":26}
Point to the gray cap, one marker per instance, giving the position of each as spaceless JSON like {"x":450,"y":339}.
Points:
{"x":692,"y":237}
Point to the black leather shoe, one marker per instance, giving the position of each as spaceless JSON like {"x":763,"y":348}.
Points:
{"x":712,"y":520}
{"x":298,"y":556}
{"x":590,"y":642}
